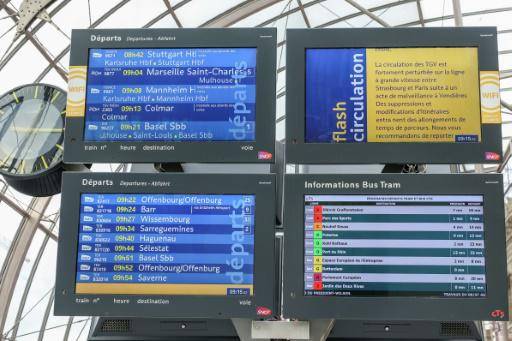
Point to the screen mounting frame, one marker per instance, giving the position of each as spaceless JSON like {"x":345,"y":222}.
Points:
{"x":300,"y":152}
{"x":67,"y":302}
{"x":296,"y":305}
{"x":261,"y":150}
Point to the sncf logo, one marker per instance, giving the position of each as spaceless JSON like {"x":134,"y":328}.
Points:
{"x":492,"y":156}
{"x":263,"y":155}
{"x":498,"y":313}
{"x":263,"y":311}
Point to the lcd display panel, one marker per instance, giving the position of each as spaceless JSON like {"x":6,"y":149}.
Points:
{"x":424,"y":94}
{"x":394,"y":245}
{"x":166,"y":244}
{"x":186,"y":94}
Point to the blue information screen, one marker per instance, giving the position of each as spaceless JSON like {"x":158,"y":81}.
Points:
{"x":193,"y":94}
{"x":166,"y":244}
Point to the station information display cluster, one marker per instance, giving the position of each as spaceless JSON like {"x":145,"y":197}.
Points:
{"x":186,"y":94}
{"x":179,"y":244}
{"x":394,"y":245}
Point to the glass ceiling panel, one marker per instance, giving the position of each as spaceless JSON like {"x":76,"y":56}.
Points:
{"x":100,"y":7}
{"x":73,"y":15}
{"x":373,"y":3}
{"x":44,"y":281}
{"x":165,"y":22}
{"x":500,"y":19}
{"x":329,"y":10}
{"x":53,"y":40}
{"x":22,"y":282}
{"x":79,"y":329}
{"x":473,"y":6}
{"x":398,"y":15}
{"x":136,"y":13}
{"x":266,"y":14}
{"x":22,"y":68}
{"x":53,"y":334}
{"x":55,"y":79}
{"x":10,"y":222}
{"x":436,"y":8}
{"x":195,"y":13}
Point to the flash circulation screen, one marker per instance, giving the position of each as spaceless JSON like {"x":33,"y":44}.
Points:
{"x":166,"y":244}
{"x":394,"y":245}
{"x":382,"y":95}
{"x":178,"y":94}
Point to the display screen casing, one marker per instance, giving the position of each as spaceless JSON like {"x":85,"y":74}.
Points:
{"x":385,"y":253}
{"x":171,"y":95}
{"x":401,"y":95}
{"x":209,"y":241}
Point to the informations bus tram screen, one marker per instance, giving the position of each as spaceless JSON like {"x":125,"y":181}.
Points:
{"x":166,"y":244}
{"x":389,"y":245}
{"x":185,"y":94}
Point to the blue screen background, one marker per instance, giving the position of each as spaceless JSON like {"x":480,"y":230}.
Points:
{"x":193,"y":229}
{"x":171,"y":95}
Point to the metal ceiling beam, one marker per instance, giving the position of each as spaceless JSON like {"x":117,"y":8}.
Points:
{"x":94,"y":25}
{"x":304,"y":15}
{"x":30,"y":280}
{"x":46,"y":316}
{"x":368,"y":13}
{"x":5,"y":3}
{"x":289,"y":12}
{"x":172,"y":13}
{"x":36,"y":28}
{"x":457,"y":13}
{"x":239,"y":12}
{"x":38,"y":46}
{"x":506,"y":105}
{"x":13,"y":205}
{"x":420,"y":12}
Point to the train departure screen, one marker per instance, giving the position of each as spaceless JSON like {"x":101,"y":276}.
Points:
{"x":178,"y":94}
{"x":394,"y":245}
{"x":166,"y":244}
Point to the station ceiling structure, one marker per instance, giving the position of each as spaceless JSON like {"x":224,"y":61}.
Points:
{"x":34,"y":47}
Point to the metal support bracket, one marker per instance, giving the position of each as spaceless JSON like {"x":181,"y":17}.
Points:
{"x":314,"y":330}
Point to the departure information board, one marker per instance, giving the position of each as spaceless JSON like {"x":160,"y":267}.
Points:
{"x":166,"y":244}
{"x":421,"y":94}
{"x":177,"y":94}
{"x":394,"y":245}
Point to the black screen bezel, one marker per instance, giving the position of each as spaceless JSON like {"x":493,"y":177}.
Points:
{"x":296,"y":305}
{"x":67,"y":302}
{"x":300,"y":152}
{"x":263,"y":39}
